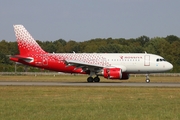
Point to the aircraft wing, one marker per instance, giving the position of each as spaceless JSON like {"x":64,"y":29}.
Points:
{"x":80,"y":64}
{"x":87,"y":66}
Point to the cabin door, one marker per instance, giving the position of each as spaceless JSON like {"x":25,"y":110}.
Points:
{"x":146,"y":60}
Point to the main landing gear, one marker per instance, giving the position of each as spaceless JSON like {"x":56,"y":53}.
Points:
{"x":91,"y":79}
{"x":147,"y":78}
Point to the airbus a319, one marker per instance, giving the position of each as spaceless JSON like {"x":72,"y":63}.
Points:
{"x":109,"y":65}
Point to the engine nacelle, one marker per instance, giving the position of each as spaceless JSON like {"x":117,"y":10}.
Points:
{"x":125,"y":76}
{"x":112,"y":73}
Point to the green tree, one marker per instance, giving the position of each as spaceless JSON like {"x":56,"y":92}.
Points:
{"x":172,"y":38}
{"x":173,"y":55}
{"x":110,"y":48}
{"x":50,"y":47}
{"x":71,"y":46}
{"x":159,"y":46}
{"x":143,"y":40}
{"x":60,"y":45}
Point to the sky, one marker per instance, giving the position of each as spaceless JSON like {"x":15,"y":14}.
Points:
{"x":82,"y":20}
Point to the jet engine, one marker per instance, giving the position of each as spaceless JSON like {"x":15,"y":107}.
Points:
{"x":112,"y":73}
{"x":125,"y":76}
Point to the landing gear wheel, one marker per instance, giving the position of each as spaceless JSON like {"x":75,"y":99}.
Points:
{"x":147,"y":80}
{"x":90,"y":79}
{"x":96,"y":79}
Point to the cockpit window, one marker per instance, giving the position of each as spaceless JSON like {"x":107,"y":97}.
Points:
{"x":160,"y":60}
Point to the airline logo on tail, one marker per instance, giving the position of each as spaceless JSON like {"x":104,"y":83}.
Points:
{"x":26,"y":43}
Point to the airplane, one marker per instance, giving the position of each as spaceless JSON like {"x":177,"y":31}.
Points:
{"x":114,"y":66}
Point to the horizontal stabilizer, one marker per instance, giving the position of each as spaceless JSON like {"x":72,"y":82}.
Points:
{"x":20,"y":57}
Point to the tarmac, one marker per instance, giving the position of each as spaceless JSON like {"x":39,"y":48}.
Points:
{"x":18,"y":83}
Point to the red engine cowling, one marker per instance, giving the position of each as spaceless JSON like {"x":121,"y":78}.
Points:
{"x":112,"y":73}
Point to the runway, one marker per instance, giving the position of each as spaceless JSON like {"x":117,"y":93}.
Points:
{"x":88,"y":84}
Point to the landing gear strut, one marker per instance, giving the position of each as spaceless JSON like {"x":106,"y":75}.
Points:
{"x":91,"y":79}
{"x":147,"y":78}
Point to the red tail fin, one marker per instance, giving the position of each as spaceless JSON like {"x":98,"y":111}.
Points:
{"x":26,"y":43}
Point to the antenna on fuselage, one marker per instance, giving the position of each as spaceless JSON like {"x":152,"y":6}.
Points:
{"x":145,"y":52}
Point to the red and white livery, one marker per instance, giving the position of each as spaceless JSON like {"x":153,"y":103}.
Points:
{"x":109,"y":65}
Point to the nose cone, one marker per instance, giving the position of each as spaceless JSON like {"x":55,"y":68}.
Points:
{"x":169,"y":66}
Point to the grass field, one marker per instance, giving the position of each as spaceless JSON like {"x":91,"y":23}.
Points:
{"x":83,"y":78}
{"x":88,"y":103}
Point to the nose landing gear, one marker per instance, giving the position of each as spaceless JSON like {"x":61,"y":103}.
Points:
{"x":147,"y":78}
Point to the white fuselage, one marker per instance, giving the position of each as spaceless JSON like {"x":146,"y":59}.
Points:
{"x":128,"y":62}
{"x":138,"y":63}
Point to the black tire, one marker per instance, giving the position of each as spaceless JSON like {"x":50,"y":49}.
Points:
{"x":90,"y":79}
{"x":96,"y":79}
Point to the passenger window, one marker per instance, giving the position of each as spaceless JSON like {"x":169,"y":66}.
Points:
{"x":157,"y":60}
